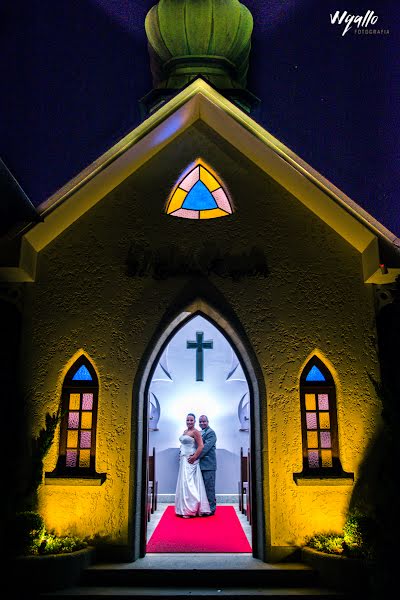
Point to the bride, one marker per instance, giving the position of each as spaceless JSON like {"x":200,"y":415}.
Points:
{"x":190,"y":495}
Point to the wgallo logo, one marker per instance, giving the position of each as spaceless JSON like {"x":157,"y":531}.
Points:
{"x":348,"y":20}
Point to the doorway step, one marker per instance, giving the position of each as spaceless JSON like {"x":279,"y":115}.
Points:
{"x":168,"y":576}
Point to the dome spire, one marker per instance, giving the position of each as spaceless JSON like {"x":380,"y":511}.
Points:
{"x":199,"y":38}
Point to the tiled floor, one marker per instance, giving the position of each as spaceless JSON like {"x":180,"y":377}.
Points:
{"x":156,"y":516}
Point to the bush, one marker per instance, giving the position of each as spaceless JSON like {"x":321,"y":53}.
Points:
{"x":28,"y":536}
{"x":26,"y":527}
{"x":52,"y":544}
{"x":356,"y":541}
{"x":330,"y":542}
{"x":359,"y":534}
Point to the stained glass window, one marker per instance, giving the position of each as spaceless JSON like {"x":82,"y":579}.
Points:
{"x":199,"y":195}
{"x":78,"y":428}
{"x":319,"y":420}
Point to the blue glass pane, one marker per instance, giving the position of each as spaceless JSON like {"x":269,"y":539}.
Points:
{"x":199,"y":198}
{"x":315,"y":375}
{"x":82,"y":374}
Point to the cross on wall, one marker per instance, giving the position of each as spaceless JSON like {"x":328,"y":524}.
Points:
{"x":199,"y":346}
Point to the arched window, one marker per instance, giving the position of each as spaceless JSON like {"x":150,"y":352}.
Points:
{"x":319,"y":420}
{"x":199,"y":195}
{"x":78,"y":421}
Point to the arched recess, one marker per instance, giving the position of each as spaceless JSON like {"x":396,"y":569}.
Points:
{"x":79,"y":400}
{"x":231,"y":328}
{"x":318,"y":383}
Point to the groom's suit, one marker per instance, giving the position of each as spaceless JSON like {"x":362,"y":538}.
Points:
{"x":208,"y":465}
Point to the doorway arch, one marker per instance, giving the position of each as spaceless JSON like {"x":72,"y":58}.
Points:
{"x":232,"y":331}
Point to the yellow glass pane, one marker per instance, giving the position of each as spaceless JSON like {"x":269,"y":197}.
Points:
{"x":209,"y":180}
{"x":72,"y":439}
{"x":86,"y":420}
{"x":176,"y":201}
{"x":326,"y":458}
{"x":74,"y":401}
{"x":310,"y":402}
{"x":212,"y":213}
{"x":84,"y":458}
{"x":324,"y":421}
{"x":312,"y":439}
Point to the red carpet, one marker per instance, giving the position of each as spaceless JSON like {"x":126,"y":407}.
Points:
{"x":220,"y":533}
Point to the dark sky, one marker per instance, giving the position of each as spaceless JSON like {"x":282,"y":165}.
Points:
{"x":72,"y":72}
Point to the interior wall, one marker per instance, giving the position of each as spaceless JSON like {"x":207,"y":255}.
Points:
{"x":174,"y":392}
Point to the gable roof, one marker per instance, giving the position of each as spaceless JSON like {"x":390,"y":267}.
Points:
{"x":199,"y":101}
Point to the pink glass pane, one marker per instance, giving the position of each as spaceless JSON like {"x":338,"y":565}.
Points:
{"x":73,"y":420}
{"x":190,"y":179}
{"x":186,"y":213}
{"x":325,"y":439}
{"x":71,"y":458}
{"x":313,"y":459}
{"x":87,"y":401}
{"x":222,"y":201}
{"x":323,"y":402}
{"x":311,"y":420}
{"x":86,"y":439}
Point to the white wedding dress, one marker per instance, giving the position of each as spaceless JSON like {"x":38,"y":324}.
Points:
{"x":190,"y":495}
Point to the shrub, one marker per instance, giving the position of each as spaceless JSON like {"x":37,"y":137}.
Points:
{"x":25,"y":528}
{"x":329,"y":542}
{"x":356,"y":541}
{"x":28,"y":536}
{"x":359,"y":534}
{"x":49,"y":543}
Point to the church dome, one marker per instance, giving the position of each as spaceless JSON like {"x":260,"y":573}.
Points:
{"x":191,"y":38}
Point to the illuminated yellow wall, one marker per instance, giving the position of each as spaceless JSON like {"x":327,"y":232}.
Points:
{"x":313,"y":300}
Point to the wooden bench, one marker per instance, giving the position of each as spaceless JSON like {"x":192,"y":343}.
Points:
{"x":243,"y":483}
{"x":152,"y":490}
{"x":248,"y":490}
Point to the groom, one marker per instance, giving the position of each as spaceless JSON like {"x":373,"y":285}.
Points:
{"x":208,"y":461}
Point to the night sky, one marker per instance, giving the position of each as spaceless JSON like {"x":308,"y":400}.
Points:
{"x":72,"y":73}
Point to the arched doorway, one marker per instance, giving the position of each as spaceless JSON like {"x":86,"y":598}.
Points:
{"x":203,"y":319}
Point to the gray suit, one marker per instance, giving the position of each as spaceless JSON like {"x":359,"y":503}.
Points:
{"x":208,"y":465}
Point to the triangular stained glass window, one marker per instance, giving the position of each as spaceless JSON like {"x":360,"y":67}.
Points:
{"x":315,"y":374}
{"x":199,"y":195}
{"x":82,"y":374}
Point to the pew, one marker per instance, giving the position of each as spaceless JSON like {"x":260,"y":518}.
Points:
{"x":249,"y":514}
{"x":243,"y":483}
{"x":152,"y":486}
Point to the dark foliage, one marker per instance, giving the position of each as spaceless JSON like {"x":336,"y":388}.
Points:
{"x":40,"y":447}
{"x":25,"y":527}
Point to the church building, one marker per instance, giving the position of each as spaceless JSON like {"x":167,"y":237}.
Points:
{"x":200,"y":266}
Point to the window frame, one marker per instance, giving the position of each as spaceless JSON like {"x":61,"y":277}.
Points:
{"x":81,"y":387}
{"x":318,"y":387}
